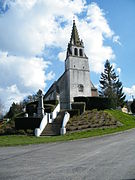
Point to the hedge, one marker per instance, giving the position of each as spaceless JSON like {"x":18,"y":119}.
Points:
{"x":73,"y":112}
{"x":79,"y":105}
{"x":132,"y":106}
{"x":27,"y":123}
{"x":49,"y":108}
{"x":31,"y":108}
{"x":99,"y":103}
{"x":53,"y":102}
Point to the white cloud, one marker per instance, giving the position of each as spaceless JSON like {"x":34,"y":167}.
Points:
{"x":50,"y":76}
{"x":28,"y":26}
{"x":116,"y":39}
{"x":119,"y":71}
{"x":11,"y":94}
{"x":130,"y":92}
{"x":21,"y":76}
{"x":62,"y":55}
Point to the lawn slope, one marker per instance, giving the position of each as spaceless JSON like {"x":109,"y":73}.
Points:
{"x":128,"y":122}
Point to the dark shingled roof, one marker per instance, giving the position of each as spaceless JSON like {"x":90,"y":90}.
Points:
{"x":75,"y":40}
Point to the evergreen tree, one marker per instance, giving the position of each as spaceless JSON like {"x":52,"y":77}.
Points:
{"x":132,"y":106}
{"x":110,"y":85}
{"x":120,"y":94}
{"x":14,"y":109}
{"x":1,"y":109}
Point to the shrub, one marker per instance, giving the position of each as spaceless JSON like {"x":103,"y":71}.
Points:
{"x":53,"y":102}
{"x":27,"y":123}
{"x":99,"y":103}
{"x":73,"y":112}
{"x":132,"y":106}
{"x":79,"y":105}
{"x":31,"y":108}
{"x":20,"y":114}
{"x":21,"y":132}
{"x":10,"y":131}
{"x":29,"y":131}
{"x":2,"y":131}
{"x":49,"y":108}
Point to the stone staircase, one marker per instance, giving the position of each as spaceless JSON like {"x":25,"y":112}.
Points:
{"x":53,"y":129}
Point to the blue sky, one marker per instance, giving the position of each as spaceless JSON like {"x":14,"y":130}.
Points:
{"x":34,"y":35}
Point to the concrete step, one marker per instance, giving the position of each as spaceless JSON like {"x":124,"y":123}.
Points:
{"x":54,"y":128}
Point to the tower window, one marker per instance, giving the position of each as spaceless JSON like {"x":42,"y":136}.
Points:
{"x":80,"y":87}
{"x":76,"y":52}
{"x":80,"y":52}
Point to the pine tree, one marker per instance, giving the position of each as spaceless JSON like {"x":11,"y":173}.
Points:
{"x":132,"y":106}
{"x":110,"y":85}
{"x":120,"y":94}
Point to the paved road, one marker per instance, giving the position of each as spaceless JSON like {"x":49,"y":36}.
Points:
{"x":104,"y":158}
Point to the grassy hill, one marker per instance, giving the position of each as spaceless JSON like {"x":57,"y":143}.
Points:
{"x":92,"y":119}
{"x":111,"y":119}
{"x":114,"y":119}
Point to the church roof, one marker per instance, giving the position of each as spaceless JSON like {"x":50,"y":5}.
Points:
{"x":75,"y":40}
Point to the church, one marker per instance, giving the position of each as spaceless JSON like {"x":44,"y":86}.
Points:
{"x":75,"y":81}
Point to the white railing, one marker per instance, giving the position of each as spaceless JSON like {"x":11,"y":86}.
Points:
{"x":48,"y":118}
{"x":64,"y":123}
{"x":43,"y":124}
{"x":54,"y":113}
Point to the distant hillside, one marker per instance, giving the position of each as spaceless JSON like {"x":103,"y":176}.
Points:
{"x":92,"y":119}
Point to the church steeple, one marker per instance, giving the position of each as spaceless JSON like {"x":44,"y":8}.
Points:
{"x":75,"y":40}
{"x":75,"y":46}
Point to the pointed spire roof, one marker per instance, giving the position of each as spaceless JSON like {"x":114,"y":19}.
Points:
{"x":75,"y":40}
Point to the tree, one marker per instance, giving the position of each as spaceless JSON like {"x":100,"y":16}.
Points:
{"x":120,"y":94}
{"x":30,"y":98}
{"x":1,"y":109}
{"x":132,"y":106}
{"x":110,"y":85}
{"x":15,"y":108}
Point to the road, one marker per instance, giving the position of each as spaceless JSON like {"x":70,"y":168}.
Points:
{"x":103,"y":158}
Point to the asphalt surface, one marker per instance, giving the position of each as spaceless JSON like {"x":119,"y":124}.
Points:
{"x":104,"y":158}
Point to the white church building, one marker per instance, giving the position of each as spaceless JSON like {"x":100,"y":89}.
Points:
{"x":75,"y":81}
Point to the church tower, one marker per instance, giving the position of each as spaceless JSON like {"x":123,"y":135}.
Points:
{"x":77,"y":68}
{"x":75,"y":81}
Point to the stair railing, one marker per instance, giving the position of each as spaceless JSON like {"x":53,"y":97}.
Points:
{"x":48,"y":117}
{"x":43,"y":124}
{"x":55,"y":112}
{"x":64,"y":123}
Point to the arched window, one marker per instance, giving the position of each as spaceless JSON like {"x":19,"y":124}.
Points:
{"x":80,"y":87}
{"x":76,"y":52}
{"x":80,"y":52}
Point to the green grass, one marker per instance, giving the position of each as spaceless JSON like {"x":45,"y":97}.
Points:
{"x":128,"y":122}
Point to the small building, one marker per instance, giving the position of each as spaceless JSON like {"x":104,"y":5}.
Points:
{"x":75,"y":81}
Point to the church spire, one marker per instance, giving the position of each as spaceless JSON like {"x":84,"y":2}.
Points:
{"x":75,"y":46}
{"x":75,"y":40}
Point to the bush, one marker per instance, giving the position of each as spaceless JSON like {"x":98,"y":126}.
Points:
{"x":49,"y":108}
{"x":99,"y":103}
{"x":20,"y":114}
{"x":27,"y":123}
{"x":21,"y":132}
{"x":2,"y":131}
{"x":10,"y":131}
{"x":29,"y":131}
{"x":79,"y":105}
{"x":53,"y":102}
{"x":132,"y":106}
{"x":73,"y":112}
{"x":31,"y":108}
